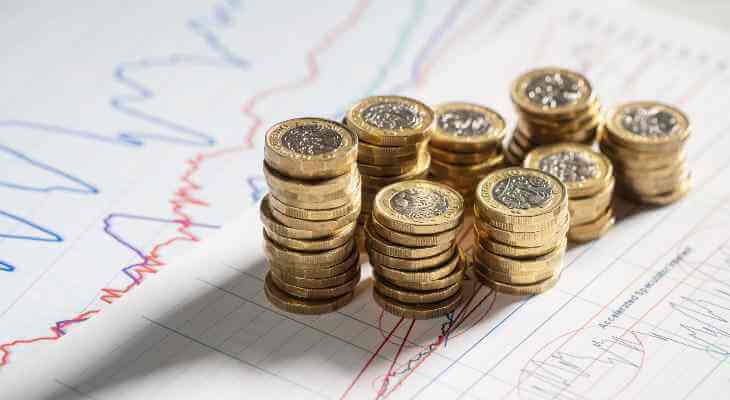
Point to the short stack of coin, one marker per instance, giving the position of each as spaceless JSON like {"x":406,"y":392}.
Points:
{"x":521,"y":220}
{"x":554,"y":105}
{"x":411,"y":241}
{"x":310,"y":215}
{"x":393,"y":134}
{"x":588,"y":177}
{"x":645,"y":141}
{"x":465,"y":145}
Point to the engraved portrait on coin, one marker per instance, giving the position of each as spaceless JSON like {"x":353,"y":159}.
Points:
{"x":311,"y":139}
{"x":419,"y":204}
{"x":569,"y":166}
{"x":648,"y":121}
{"x":553,"y":90}
{"x":522,"y":191}
{"x":463,"y":123}
{"x":391,"y":115}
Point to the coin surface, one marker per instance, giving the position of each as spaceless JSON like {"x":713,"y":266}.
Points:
{"x":419,"y":171}
{"x":464,"y":158}
{"x":547,"y":262}
{"x":379,"y":244}
{"x":442,"y":169}
{"x":584,"y":171}
{"x":330,"y":226}
{"x":323,"y":258}
{"x":466,"y":127}
{"x":317,"y":271}
{"x":315,"y":283}
{"x":324,"y":185}
{"x":552,"y":91}
{"x":397,"y":274}
{"x":412,"y":240}
{"x":310,"y":148}
{"x":520,"y":196}
{"x":405,"y":264}
{"x":648,"y":125}
{"x":518,"y":290}
{"x":292,"y":304}
{"x":337,"y":239}
{"x":270,"y":223}
{"x":317,"y":201}
{"x":592,"y":230}
{"x":419,"y":207}
{"x":456,"y":276}
{"x":316,"y":215}
{"x":390,"y":120}
{"x":523,"y":239}
{"x":418,"y":311}
{"x":487,"y":244}
{"x":522,"y":278}
{"x":405,"y":296}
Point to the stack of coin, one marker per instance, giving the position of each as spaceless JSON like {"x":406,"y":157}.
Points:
{"x":588,"y":177}
{"x":520,"y":221}
{"x":410,"y":238}
{"x":645,"y":140}
{"x":393,"y":134}
{"x":465,"y":145}
{"x":553,"y":105}
{"x":310,"y":215}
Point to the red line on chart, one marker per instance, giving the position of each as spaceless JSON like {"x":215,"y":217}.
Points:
{"x":384,"y":385}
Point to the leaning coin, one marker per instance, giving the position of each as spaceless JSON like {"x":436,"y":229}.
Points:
{"x":292,"y":304}
{"x":404,"y":296}
{"x":418,"y":311}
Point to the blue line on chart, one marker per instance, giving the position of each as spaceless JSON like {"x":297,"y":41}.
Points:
{"x":258,"y":187}
{"x":6,"y":267}
{"x":52,"y":236}
{"x":83,"y":187}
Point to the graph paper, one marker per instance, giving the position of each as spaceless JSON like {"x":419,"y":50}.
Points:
{"x":640,"y":313}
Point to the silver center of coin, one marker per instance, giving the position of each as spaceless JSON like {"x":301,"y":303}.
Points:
{"x":569,"y":166}
{"x":648,"y":121}
{"x":552,"y":90}
{"x":463,"y":123}
{"x":419,"y":204}
{"x":522,"y":191}
{"x":391,"y":115}
{"x":311,"y":140}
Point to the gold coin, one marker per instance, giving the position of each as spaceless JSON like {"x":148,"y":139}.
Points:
{"x":522,"y":140}
{"x":337,"y":239}
{"x":390,"y":120}
{"x":632,"y":159}
{"x":440,"y":168}
{"x":592,"y":230}
{"x":518,"y":290}
{"x":396,"y":169}
{"x":523,"y":239}
{"x":316,"y":215}
{"x":317,"y":201}
{"x":573,"y":123}
{"x":654,"y":188}
{"x":270,"y":223}
{"x":548,"y":262}
{"x":523,"y":278}
{"x":315,"y":294}
{"x":552,"y":92}
{"x":421,"y":170}
{"x":405,"y":264}
{"x":292,"y":304}
{"x":520,"y":196}
{"x":318,"y":283}
{"x":310,"y":148}
{"x":484,"y":242}
{"x":329,"y":185}
{"x":518,"y":150}
{"x":404,"y":151}
{"x":466,"y":127}
{"x":558,"y":222}
{"x":648,"y":126}
{"x":404,"y":296}
{"x":281,"y":255}
{"x":663,"y":199}
{"x":510,"y":158}
{"x":399,"y":275}
{"x":584,"y":171}
{"x":317,"y":271}
{"x":589,"y":208}
{"x":453,"y":278}
{"x":330,"y":225}
{"x":411,"y":240}
{"x":379,"y":244}
{"x":419,"y":207}
{"x":418,"y":311}
{"x":463,"y":158}
{"x":566,"y":133}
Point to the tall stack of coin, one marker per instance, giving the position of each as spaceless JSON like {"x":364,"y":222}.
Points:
{"x":465,"y":145}
{"x":645,"y":140}
{"x":588,"y":177}
{"x":521,"y":219}
{"x":393,"y":134}
{"x":310,"y":215}
{"x":554,"y":105}
{"x":410,"y":238}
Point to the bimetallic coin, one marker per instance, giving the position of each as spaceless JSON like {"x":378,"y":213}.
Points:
{"x":337,"y":239}
{"x":405,"y":264}
{"x":419,"y":207}
{"x":379,"y":244}
{"x":390,"y":120}
{"x":549,"y":225}
{"x":398,"y":275}
{"x":330,"y":225}
{"x":487,"y":244}
{"x":412,"y":240}
{"x":317,"y":271}
{"x":523,"y":239}
{"x":466,"y":127}
{"x":548,"y":262}
{"x":592,"y":230}
{"x":315,"y":294}
{"x":552,"y":91}
{"x":410,"y":297}
{"x":325,"y":258}
{"x":584,"y":171}
{"x":648,"y":126}
{"x":524,"y":278}
{"x":316,"y":215}
{"x":520,"y":196}
{"x":286,"y":302}
{"x":418,"y":311}
{"x":270,"y":223}
{"x":518,"y":290}
{"x":336,"y":184}
{"x":310,"y":148}
{"x":317,"y":201}
{"x":318,"y":283}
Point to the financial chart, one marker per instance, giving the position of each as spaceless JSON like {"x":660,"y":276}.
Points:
{"x":640,"y":313}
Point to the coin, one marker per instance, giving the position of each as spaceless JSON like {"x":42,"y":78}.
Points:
{"x":549,"y":225}
{"x":323,"y":258}
{"x":314,"y":294}
{"x":418,"y":311}
{"x":520,"y":196}
{"x":316,"y":283}
{"x":463,"y":158}
{"x":484,"y":242}
{"x":404,"y":296}
{"x":379,"y":244}
{"x":330,"y":225}
{"x":406,"y":150}
{"x":552,"y":91}
{"x":397,"y":274}
{"x":453,"y":278}
{"x":310,"y":148}
{"x":592,"y":230}
{"x":395,"y":169}
{"x":522,"y":278}
{"x":292,"y":304}
{"x":648,"y":126}
{"x":317,"y":271}
{"x":419,"y":171}
{"x":547,"y":262}
{"x":443,"y":169}
{"x":419,"y":207}
{"x":411,"y":240}
{"x":390,"y":120}
{"x":317,"y":201}
{"x":589,"y":208}
{"x":316,"y":215}
{"x":270,"y":223}
{"x":329,"y":185}
{"x":584,"y":171}
{"x":466,"y":127}
{"x":663,"y":199}
{"x":405,"y":264}
{"x":518,"y":290}
{"x":522,"y":239}
{"x":337,"y":239}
